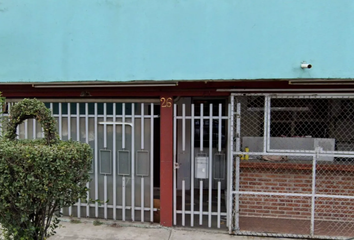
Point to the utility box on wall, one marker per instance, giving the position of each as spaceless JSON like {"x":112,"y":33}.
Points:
{"x":201,"y":167}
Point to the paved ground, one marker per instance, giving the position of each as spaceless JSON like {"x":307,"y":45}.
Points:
{"x":134,"y":231}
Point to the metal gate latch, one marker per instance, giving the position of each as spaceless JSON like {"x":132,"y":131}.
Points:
{"x":177,"y":165}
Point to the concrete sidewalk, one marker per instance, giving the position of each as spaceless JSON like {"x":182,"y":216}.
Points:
{"x":86,"y":230}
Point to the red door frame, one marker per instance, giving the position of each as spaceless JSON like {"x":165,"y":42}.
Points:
{"x":166,"y":160}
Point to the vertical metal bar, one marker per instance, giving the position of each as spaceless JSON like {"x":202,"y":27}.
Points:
{"x":201,"y":126}
{"x":88,"y":201}
{"x":183,"y":203}
{"x":230,"y":176}
{"x":192,"y":163}
{"x":104,"y":125}
{"x":87,"y":141}
{"x":238,"y":127}
{"x":96,"y":160}
{"x":60,"y":121}
{"x":210,"y":163}
{"x":51,"y":108}
{"x":268,"y":120}
{"x":123,"y":126}
{"x":105,"y":147}
{"x":142,"y":127}
{"x":152,"y":164}
{"x":201,"y":202}
{"x":9,"y":105}
{"x":142,"y":199}
{"x":26,"y":129}
{"x":219,"y":204}
{"x":78,"y":122}
{"x":69,"y":121}
{"x":105,"y":195}
{"x":60,"y":129}
{"x":69,"y":137}
{"x":183,"y":127}
{"x":123,"y":178}
{"x":229,"y":166}
{"x":174,"y":164}
{"x":123,"y":198}
{"x":17,"y":130}
{"x":9,"y":109}
{"x":133,"y":164}
{"x":219,"y":127}
{"x":114,"y":165}
{"x":78,"y":139}
{"x":237,"y":170}
{"x":34,"y":126}
{"x":265,"y":125}
{"x":313,"y":197}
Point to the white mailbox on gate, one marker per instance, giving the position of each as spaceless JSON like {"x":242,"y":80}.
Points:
{"x":201,"y":167}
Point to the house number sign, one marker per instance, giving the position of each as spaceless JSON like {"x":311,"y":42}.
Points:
{"x":166,"y":102}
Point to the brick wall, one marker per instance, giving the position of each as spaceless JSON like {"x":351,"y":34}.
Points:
{"x":291,"y":178}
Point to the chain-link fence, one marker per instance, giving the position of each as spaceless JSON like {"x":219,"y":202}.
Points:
{"x":293,"y":168}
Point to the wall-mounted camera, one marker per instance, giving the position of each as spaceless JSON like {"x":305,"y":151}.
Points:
{"x":306,"y":65}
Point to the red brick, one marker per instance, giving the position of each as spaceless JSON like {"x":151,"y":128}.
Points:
{"x":249,"y":179}
{"x":277,"y":212}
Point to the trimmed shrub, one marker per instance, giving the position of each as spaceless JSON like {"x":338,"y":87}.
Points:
{"x":39,"y":177}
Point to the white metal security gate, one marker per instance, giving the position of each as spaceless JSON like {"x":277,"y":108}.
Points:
{"x":200,"y":159}
{"x":292,"y":169}
{"x":121,"y":135}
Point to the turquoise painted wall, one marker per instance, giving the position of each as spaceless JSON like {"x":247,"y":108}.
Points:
{"x":124,"y":40}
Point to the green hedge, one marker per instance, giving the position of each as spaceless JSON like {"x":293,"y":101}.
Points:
{"x":39,"y":177}
{"x":32,"y":108}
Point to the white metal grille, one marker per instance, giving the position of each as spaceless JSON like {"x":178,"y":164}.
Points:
{"x":121,"y":135}
{"x":292,"y":170}
{"x":200,"y":160}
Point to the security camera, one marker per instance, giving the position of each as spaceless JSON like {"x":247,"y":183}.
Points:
{"x":306,"y":65}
